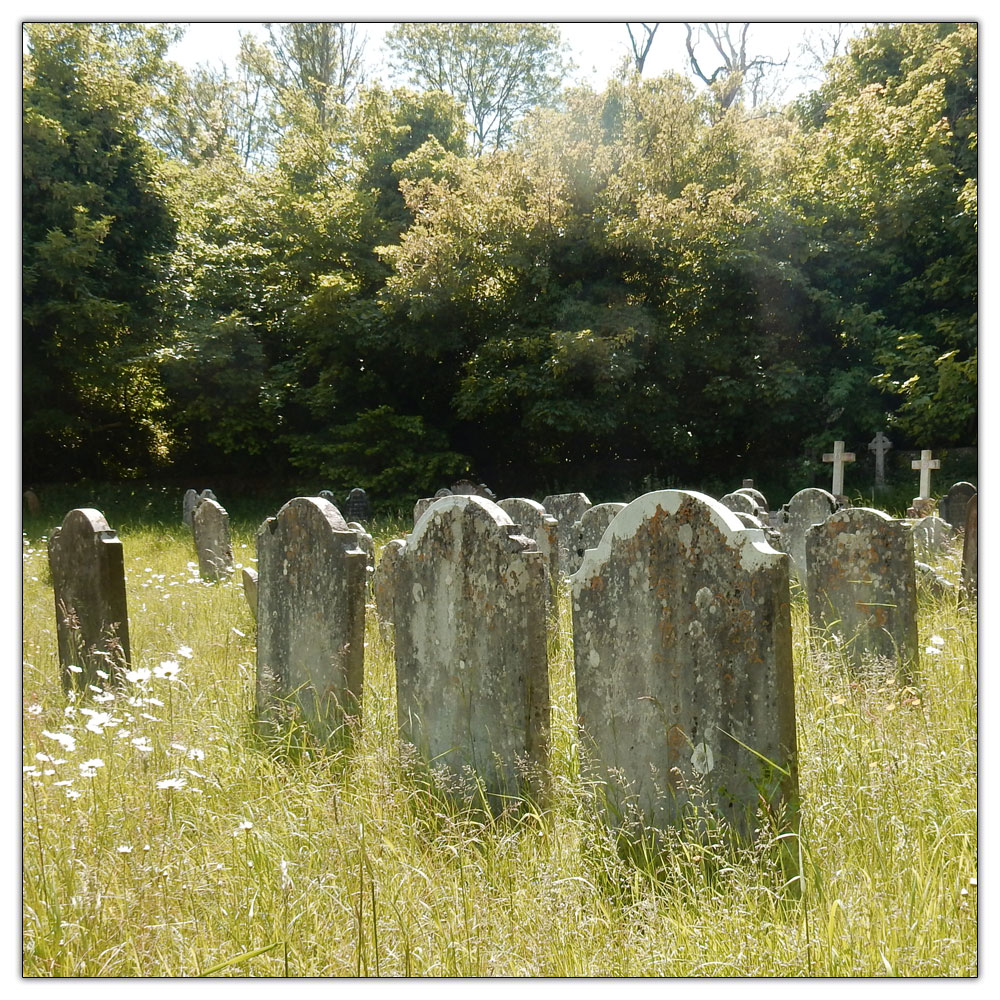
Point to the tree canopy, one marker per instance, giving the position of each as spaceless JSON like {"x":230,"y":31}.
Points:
{"x":293,"y":270}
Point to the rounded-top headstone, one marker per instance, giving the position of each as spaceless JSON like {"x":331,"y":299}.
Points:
{"x":806,"y":508}
{"x":953,"y":504}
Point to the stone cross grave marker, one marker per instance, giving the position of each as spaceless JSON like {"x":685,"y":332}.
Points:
{"x":310,"y":614}
{"x":471,"y":661}
{"x":808,"y":507}
{"x":861,"y":588}
{"x":88,"y":577}
{"x":970,"y":549}
{"x":541,"y":527}
{"x":925,"y":464}
{"x":953,"y":504}
{"x":839,"y":458}
{"x":211,"y":539}
{"x":880,"y":445}
{"x":567,"y":509}
{"x":357,"y":507}
{"x":683,"y":651}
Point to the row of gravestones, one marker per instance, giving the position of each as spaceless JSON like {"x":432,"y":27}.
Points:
{"x":681,"y":630}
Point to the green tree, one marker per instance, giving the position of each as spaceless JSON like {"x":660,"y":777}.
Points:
{"x":96,"y":232}
{"x":496,"y":70}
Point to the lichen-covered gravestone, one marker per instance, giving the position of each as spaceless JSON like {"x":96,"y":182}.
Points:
{"x":970,"y":549}
{"x":683,"y":650}
{"x":191,"y":499}
{"x":931,"y":536}
{"x":741,"y":502}
{"x":310,"y":613}
{"x":88,"y":576}
{"x":211,"y":540}
{"x":567,"y":509}
{"x":953,"y":504}
{"x":591,"y":527}
{"x":471,"y":664}
{"x":861,"y":587}
{"x":755,"y":495}
{"x":808,"y":507}
{"x":386,"y":580}
{"x":250,"y":589}
{"x":540,"y":526}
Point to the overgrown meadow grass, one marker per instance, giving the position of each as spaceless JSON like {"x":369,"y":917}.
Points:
{"x":162,"y":838}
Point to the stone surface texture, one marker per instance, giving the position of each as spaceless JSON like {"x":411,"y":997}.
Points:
{"x":567,"y":509}
{"x":741,"y":502}
{"x":386,"y":580}
{"x":970,"y":549}
{"x":806,"y":508}
{"x":471,"y":661}
{"x":683,"y":651}
{"x":88,"y":577}
{"x":861,"y":587}
{"x":310,"y":612}
{"x":211,"y":540}
{"x":540,"y":526}
{"x":591,"y":527}
{"x":756,"y":496}
{"x":250,"y":589}
{"x":953,"y":504}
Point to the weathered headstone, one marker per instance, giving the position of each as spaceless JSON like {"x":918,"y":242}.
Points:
{"x":970,"y":549}
{"x":385,"y":582}
{"x":953,"y":504}
{"x":471,"y":662}
{"x":207,"y":494}
{"x":88,"y":577}
{"x":329,"y":496}
{"x":931,"y":536}
{"x":32,"y":502}
{"x":420,"y":507}
{"x":861,"y":587}
{"x":191,"y":499}
{"x":879,"y":444}
{"x":211,"y":539}
{"x":592,"y":525}
{"x":567,"y":509}
{"x":540,"y":526}
{"x":443,"y":492}
{"x":771,"y":535}
{"x":741,"y":502}
{"x":808,"y":507}
{"x":839,"y":458}
{"x":250,"y":589}
{"x":310,"y":613}
{"x":467,"y":488}
{"x":683,"y":650}
{"x":367,"y":545}
{"x":755,"y":495}
{"x":357,"y":507}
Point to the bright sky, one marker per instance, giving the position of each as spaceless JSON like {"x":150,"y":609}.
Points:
{"x":597,"y":48}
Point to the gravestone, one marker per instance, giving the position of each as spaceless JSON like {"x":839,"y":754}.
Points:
{"x":467,"y":488}
{"x":771,"y":535}
{"x":211,"y":539}
{"x":357,"y":507}
{"x":209,"y":495}
{"x":250,"y":589}
{"x":741,"y":502}
{"x":32,"y":502}
{"x":683,"y":652}
{"x":923,"y":504}
{"x":755,"y":495}
{"x":880,"y":445}
{"x":471,"y":661}
{"x":808,"y":507}
{"x":385,"y":581}
{"x":970,"y":549}
{"x":367,"y":545}
{"x":861,"y":587}
{"x":591,"y":527}
{"x":953,"y":504}
{"x":567,"y":509}
{"x":931,"y":536}
{"x":329,"y":497}
{"x":191,"y":499}
{"x":310,"y":614}
{"x":88,"y":577}
{"x":541,"y":528}
{"x":420,"y":507}
{"x":443,"y":492}
{"x":839,"y":458}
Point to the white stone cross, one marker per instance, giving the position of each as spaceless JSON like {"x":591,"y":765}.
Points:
{"x":879,"y":444}
{"x":839,"y":458}
{"x":925,"y":465}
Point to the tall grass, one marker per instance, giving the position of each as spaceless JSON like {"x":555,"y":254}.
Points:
{"x":194,"y":848}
